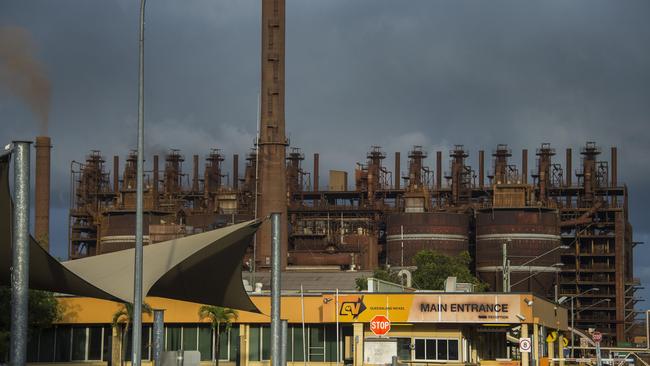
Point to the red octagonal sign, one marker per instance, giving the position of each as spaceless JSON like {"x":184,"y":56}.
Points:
{"x":380,"y":325}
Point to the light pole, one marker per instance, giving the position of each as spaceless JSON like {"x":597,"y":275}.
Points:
{"x":136,"y":349}
{"x":565,"y":298}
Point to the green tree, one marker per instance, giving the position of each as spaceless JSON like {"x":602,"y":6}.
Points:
{"x":43,"y":310}
{"x":433,"y":268}
{"x":380,"y":274}
{"x":122,"y":318}
{"x":217,"y":316}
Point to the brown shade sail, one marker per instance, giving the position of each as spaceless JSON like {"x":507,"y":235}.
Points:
{"x":203,"y":268}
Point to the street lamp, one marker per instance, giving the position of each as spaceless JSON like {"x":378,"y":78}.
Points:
{"x":564,"y":299}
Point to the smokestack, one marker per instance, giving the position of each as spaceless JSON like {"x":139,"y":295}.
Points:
{"x":195,"y":172}
{"x":524,"y":166}
{"x":42,"y":205}
{"x":316,"y":158}
{"x":614,"y":167}
{"x":569,"y":169}
{"x":235,"y":171}
{"x":481,"y":169}
{"x":154,"y":184}
{"x":116,"y":173}
{"x":438,"y":170}
{"x":272,"y":143}
{"x":397,"y":170}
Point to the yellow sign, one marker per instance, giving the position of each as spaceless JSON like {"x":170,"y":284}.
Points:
{"x":551,"y":337}
{"x":565,"y":342}
{"x":426,"y":308}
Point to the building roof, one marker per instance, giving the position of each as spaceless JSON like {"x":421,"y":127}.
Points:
{"x":311,"y":281}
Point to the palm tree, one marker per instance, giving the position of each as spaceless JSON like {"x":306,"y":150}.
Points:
{"x":124,"y":316}
{"x":218,"y":316}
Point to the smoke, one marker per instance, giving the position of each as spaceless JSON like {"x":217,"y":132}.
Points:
{"x":22,"y":74}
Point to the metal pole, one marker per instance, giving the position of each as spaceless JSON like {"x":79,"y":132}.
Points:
{"x":283,"y":349}
{"x":137,"y":285}
{"x":20,"y":252}
{"x":338,"y":352}
{"x":158,"y":334}
{"x":304,"y":339}
{"x":572,"y":329}
{"x":275,"y":290}
{"x":504,"y":266}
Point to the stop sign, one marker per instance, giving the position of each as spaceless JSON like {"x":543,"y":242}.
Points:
{"x":380,"y":325}
{"x":597,"y":336}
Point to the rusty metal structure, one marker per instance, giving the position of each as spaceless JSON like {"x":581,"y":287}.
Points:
{"x":42,"y":191}
{"x":386,"y":217}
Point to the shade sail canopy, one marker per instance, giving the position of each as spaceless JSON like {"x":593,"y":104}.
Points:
{"x":203,"y":268}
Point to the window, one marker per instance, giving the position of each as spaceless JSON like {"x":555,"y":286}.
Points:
{"x":62,"y":342}
{"x":254,"y":343}
{"x":234,"y":343}
{"x":78,"y":343}
{"x":297,"y":344}
{"x":404,"y":349}
{"x":173,"y":338}
{"x":190,"y":338}
{"x":205,"y":342}
{"x":316,"y":343}
{"x":436,"y":349}
{"x":94,"y":343}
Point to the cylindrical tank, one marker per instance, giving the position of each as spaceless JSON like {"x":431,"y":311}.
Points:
{"x":531,"y":236}
{"x":411,"y":232}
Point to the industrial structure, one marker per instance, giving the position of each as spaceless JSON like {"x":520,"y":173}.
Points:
{"x":552,"y":230}
{"x":566,"y":232}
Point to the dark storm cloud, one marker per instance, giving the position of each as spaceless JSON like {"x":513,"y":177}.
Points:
{"x":359,"y":73}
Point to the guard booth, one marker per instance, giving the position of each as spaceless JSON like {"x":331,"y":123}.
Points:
{"x":450,"y":328}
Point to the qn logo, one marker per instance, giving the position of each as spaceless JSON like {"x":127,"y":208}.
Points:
{"x":353,"y":308}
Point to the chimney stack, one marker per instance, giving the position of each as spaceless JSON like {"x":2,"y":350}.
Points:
{"x":438,"y":170}
{"x":116,"y":174}
{"x":524,"y":166}
{"x":614,"y":167}
{"x":397,"y":170}
{"x":42,"y":191}
{"x":235,"y":171}
{"x":481,"y":169}
{"x":195,"y":172}
{"x":315,"y":185}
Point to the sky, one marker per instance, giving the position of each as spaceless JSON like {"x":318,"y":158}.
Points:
{"x":358,"y":73}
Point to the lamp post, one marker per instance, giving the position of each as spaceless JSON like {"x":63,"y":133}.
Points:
{"x":565,"y":298}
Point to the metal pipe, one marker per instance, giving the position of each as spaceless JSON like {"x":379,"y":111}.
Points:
{"x":156,"y":178}
{"x":20,"y":253}
{"x":481,"y":169}
{"x":137,"y":285}
{"x":195,"y":173}
{"x":304,"y":342}
{"x":438,"y":170}
{"x":397,"y":170}
{"x":116,"y":174}
{"x":42,"y":192}
{"x":614,"y":167}
{"x":315,"y":185}
{"x":524,"y":166}
{"x":275,"y":290}
{"x":235,"y":171}
{"x":283,"y":346}
{"x":158,"y":335}
{"x":568,"y":172}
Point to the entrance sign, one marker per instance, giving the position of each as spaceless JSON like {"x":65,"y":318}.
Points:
{"x":524,"y":344}
{"x":380,"y":325}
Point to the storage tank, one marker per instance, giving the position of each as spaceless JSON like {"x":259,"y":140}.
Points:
{"x":410,"y":232}
{"x":533,"y":240}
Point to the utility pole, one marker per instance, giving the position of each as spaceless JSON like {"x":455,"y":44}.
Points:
{"x":505,"y":266}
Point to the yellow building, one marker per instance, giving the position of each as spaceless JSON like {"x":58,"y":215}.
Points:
{"x":425,"y":328}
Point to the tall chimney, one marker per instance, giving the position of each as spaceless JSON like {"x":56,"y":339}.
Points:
{"x":272,"y":189}
{"x":524,"y":166}
{"x":235,"y":171}
{"x":116,"y":174}
{"x":481,"y":169}
{"x":42,"y":205}
{"x":154,"y":184}
{"x":397,"y":170}
{"x":614,"y":167}
{"x":568,"y":173}
{"x":438,"y":170}
{"x":315,"y":178}
{"x":195,"y":173}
